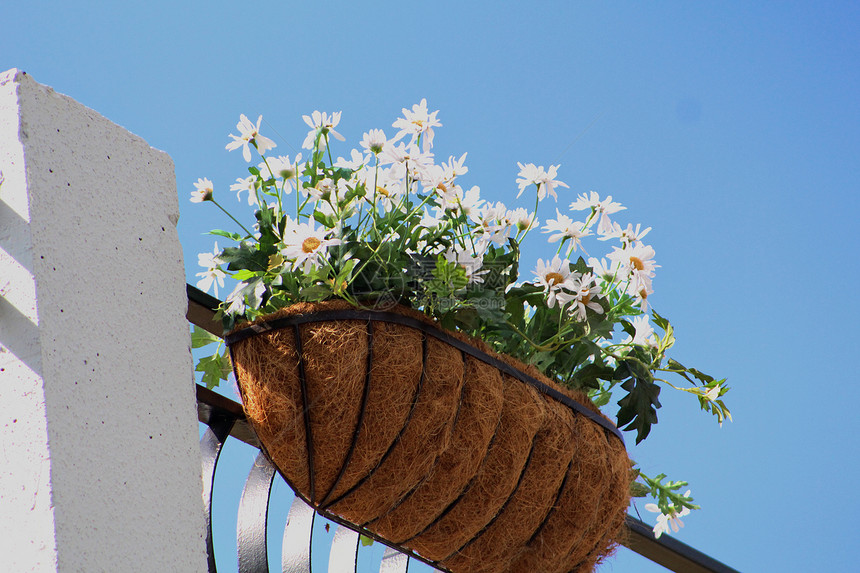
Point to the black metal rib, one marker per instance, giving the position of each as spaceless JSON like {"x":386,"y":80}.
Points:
{"x":306,"y":413}
{"x":253,"y":515}
{"x":463,"y":492}
{"x":361,"y":412}
{"x":352,"y":314}
{"x":210,"y":450}
{"x":553,"y":506}
{"x":414,"y":488}
{"x":399,"y":434}
{"x":504,"y":506}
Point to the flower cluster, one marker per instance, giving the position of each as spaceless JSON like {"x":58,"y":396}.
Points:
{"x":391,"y":224}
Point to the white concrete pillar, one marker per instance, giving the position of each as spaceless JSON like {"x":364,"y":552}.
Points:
{"x":99,"y":459}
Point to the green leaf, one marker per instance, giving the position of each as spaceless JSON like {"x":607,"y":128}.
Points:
{"x":215,"y":368}
{"x":365,"y":540}
{"x":701,"y":376}
{"x":200,"y":337}
{"x":229,"y":235}
{"x":245,"y":274}
{"x":628,"y":328}
{"x":668,"y":339}
{"x":639,"y":490}
{"x":638,"y":410}
{"x":581,"y":266}
{"x":682,"y":370}
{"x":588,"y":375}
{"x":326,"y":221}
{"x":542,"y":359}
{"x":245,"y":256}
{"x":316,"y":292}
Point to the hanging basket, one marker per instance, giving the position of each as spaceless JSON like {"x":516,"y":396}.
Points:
{"x":430,"y":441}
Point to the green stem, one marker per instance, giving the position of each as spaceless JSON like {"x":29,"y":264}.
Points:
{"x":534,"y":217}
{"x":534,"y":344}
{"x":280,"y":192}
{"x":298,"y":191}
{"x":250,"y":234}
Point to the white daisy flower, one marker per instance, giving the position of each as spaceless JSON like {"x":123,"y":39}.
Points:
{"x":493,"y":225}
{"x":403,"y":157}
{"x":374,"y":141}
{"x":470,"y":263}
{"x":321,"y":124}
{"x":637,"y":264}
{"x":453,"y":168}
{"x":604,"y":271}
{"x":429,"y":221}
{"x":382,"y":186}
{"x":643,"y":333}
{"x":554,"y":276}
{"x":322,"y":190}
{"x":566,"y":229}
{"x":545,"y":180}
{"x":213,"y":275}
{"x":247,"y":184}
{"x":305,"y":245}
{"x":664,"y":521}
{"x":584,"y":293}
{"x":203,"y":191}
{"x":281,"y":167}
{"x":523,"y":219}
{"x":249,"y":133}
{"x":356,"y":161}
{"x":628,"y":236}
{"x":417,"y":122}
{"x":602,"y":209}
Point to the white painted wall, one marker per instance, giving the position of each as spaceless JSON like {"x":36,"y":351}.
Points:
{"x":99,"y":457}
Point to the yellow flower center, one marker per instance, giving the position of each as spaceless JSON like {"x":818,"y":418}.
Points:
{"x":441,"y":187}
{"x":637,"y":263}
{"x":383,"y":191}
{"x":311,"y":244}
{"x":553,"y":278}
{"x":643,"y":294}
{"x":586,"y":299}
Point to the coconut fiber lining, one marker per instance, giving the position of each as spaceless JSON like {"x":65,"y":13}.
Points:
{"x":429,"y":440}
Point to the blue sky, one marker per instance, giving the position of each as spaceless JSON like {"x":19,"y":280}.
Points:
{"x":731,"y":128}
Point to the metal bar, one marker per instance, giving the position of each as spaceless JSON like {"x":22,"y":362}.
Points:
{"x":298,"y":537}
{"x":212,"y":406}
{"x":344,"y":551}
{"x":201,"y":310}
{"x":394,"y":561}
{"x":253,"y":517}
{"x":210,"y":450}
{"x":669,"y":552}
